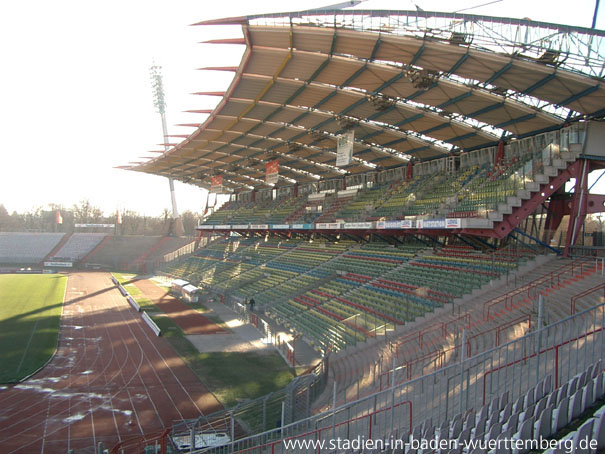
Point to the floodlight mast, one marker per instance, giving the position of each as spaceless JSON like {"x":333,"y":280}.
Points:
{"x":160,"y":104}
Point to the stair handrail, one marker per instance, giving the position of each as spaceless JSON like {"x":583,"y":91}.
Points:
{"x":508,"y":175}
{"x":575,"y":298}
{"x":534,"y":284}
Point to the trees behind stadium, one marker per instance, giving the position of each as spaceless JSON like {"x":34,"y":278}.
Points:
{"x":44,"y":219}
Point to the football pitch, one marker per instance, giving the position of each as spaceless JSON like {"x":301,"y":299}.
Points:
{"x":30,"y":314}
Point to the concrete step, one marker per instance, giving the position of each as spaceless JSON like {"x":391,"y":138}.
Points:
{"x":495,"y":216}
{"x":570,"y":156}
{"x":505,"y":208}
{"x":550,"y":171}
{"x":541,"y":178}
{"x":559,"y":164}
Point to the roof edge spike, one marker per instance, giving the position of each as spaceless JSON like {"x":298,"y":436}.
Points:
{"x":224,"y":41}
{"x":209,"y":93}
{"x":218,"y":68}
{"x":237,"y":20}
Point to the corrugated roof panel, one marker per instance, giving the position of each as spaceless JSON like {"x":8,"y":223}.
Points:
{"x":266,"y":62}
{"x":244,"y":140}
{"x":562,"y":91}
{"x":442,"y":93}
{"x":282,"y":114}
{"x":440,"y":56}
{"x":398,"y":49}
{"x":339,"y":71}
{"x":249,"y":87}
{"x":351,"y":43}
{"x":301,"y":65}
{"x":269,"y":36}
{"x":220,"y":123}
{"x":263,"y":129}
{"x":312,"y":38}
{"x":262,"y":110}
{"x":234,"y":108}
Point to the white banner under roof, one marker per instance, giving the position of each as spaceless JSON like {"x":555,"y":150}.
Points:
{"x":395,"y":224}
{"x":434,"y":224}
{"x":317,"y":196}
{"x":240,"y":226}
{"x":259,"y":226}
{"x":302,"y":226}
{"x":205,"y":227}
{"x":222,"y":226}
{"x":59,"y":264}
{"x":453,"y":223}
{"x":344,"y":148}
{"x":346,"y":192}
{"x":328,"y":225}
{"x":358,"y":225}
{"x":95,"y":226}
{"x":280,"y":226}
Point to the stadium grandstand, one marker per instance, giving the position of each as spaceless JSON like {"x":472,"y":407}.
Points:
{"x":134,"y":253}
{"x":408,"y":193}
{"x":27,"y":248}
{"x":409,"y":199}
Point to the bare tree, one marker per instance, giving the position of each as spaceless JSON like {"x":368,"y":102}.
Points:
{"x":84,"y":212}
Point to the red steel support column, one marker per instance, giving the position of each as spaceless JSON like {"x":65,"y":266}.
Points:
{"x":578,"y":212}
{"x":556,"y":210}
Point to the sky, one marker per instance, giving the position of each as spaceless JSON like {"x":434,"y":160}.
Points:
{"x":76,"y":95}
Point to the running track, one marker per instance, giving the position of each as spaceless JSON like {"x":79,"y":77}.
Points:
{"x":111,"y":380}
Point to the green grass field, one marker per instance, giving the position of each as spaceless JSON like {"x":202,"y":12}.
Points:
{"x":232,"y":377}
{"x":30,"y":313}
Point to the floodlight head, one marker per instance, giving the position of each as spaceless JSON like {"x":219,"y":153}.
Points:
{"x":157,"y":88}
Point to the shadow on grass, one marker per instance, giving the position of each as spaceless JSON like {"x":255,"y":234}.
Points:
{"x":232,"y":376}
{"x":65,"y":303}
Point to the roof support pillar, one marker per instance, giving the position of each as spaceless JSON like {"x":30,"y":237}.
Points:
{"x":579,"y":205}
{"x":556,"y":210}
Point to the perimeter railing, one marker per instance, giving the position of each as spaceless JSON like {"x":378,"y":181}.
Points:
{"x":562,"y":349}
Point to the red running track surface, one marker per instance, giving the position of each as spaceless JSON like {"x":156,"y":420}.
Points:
{"x":111,"y":380}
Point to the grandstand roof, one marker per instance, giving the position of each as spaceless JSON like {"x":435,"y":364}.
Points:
{"x":409,"y":83}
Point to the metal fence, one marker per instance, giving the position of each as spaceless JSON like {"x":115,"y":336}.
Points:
{"x":286,"y":348}
{"x":186,"y":250}
{"x":562,"y":350}
{"x":273,"y":410}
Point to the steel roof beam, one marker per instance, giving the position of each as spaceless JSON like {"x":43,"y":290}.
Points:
{"x":324,"y":168}
{"x":464,"y":118}
{"x":498,"y":73}
{"x":516,"y":120}
{"x":540,"y":83}
{"x":577,"y":96}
